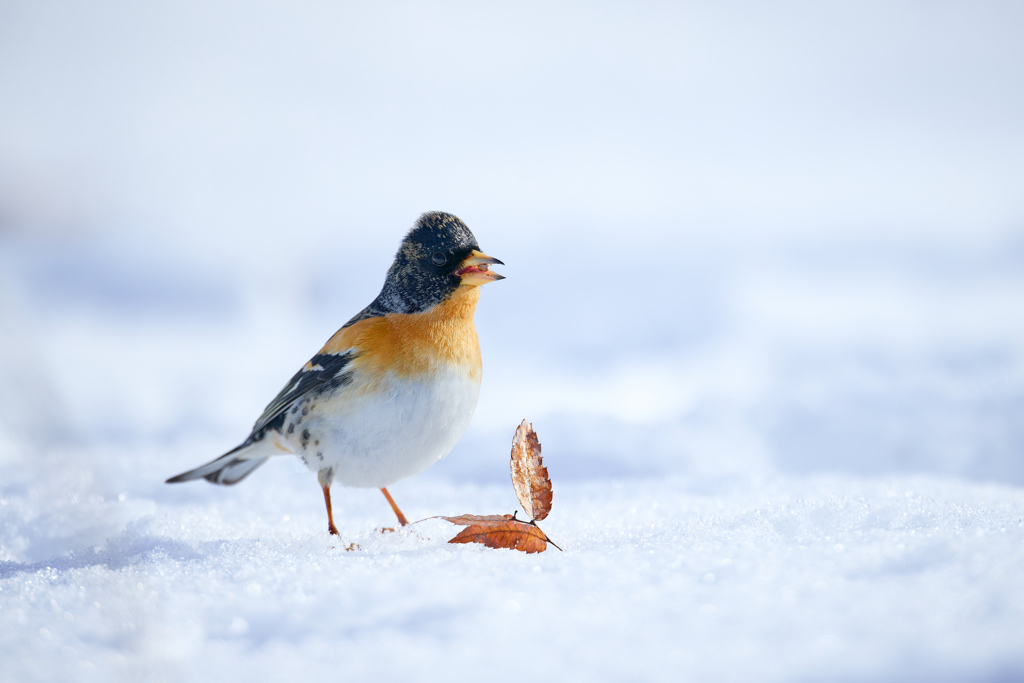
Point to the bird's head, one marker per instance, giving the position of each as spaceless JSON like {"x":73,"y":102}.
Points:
{"x":437,"y":256}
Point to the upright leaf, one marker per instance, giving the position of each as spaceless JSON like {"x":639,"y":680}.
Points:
{"x":529,"y":476}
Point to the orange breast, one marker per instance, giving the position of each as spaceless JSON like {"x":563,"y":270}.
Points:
{"x":413,"y":344}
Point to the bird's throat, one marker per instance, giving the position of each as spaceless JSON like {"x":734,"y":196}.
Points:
{"x":416,"y":344}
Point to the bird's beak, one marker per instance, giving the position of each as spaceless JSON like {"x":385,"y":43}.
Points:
{"x":473,"y":270}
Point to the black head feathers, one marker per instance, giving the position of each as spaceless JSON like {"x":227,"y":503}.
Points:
{"x":424,"y":271}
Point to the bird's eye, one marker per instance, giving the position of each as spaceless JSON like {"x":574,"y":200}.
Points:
{"x":439,"y":259}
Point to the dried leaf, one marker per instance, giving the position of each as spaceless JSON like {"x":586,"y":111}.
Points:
{"x":529,"y":476}
{"x":507,"y":533}
{"x":501,"y":531}
{"x":533,"y":488}
{"x":476,"y":519}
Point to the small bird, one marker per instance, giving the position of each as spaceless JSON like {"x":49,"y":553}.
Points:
{"x":393,"y":390}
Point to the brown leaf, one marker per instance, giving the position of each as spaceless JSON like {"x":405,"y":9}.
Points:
{"x":529,"y":476}
{"x":503,"y":532}
{"x":475,"y":519}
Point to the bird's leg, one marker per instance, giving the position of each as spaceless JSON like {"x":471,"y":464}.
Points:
{"x":326,"y":476}
{"x":330,"y":516}
{"x":398,"y":513}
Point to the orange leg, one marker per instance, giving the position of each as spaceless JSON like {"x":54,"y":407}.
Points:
{"x":330,"y":515}
{"x":398,"y":513}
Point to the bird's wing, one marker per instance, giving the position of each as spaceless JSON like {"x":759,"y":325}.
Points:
{"x":324,"y":372}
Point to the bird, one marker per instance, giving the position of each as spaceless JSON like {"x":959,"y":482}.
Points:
{"x":394,"y":389}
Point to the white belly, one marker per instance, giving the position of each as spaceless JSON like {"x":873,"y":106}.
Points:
{"x":374,"y":439}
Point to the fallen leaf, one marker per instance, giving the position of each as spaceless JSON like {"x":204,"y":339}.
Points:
{"x":529,"y":476}
{"x":476,"y":519}
{"x":501,"y":531}
{"x":533,"y":488}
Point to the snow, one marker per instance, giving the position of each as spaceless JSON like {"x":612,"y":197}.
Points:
{"x":896,"y":578}
{"x":736,"y":511}
{"x":764,"y":307}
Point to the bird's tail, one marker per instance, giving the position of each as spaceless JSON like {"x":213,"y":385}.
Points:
{"x":233,"y":466}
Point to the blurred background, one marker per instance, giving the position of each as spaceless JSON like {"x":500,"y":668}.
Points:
{"x":740,"y":239}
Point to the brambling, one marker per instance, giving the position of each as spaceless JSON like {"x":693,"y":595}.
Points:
{"x":393,"y":390}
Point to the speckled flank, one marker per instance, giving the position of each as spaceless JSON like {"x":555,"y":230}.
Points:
{"x":322,"y":374}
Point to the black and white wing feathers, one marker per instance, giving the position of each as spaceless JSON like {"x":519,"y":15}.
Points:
{"x":322,"y":374}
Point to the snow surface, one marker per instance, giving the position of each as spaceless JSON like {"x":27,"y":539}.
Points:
{"x":702,"y":540}
{"x":895,"y":578}
{"x":764,"y":306}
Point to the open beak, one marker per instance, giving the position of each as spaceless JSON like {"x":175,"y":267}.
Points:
{"x":473,"y":270}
